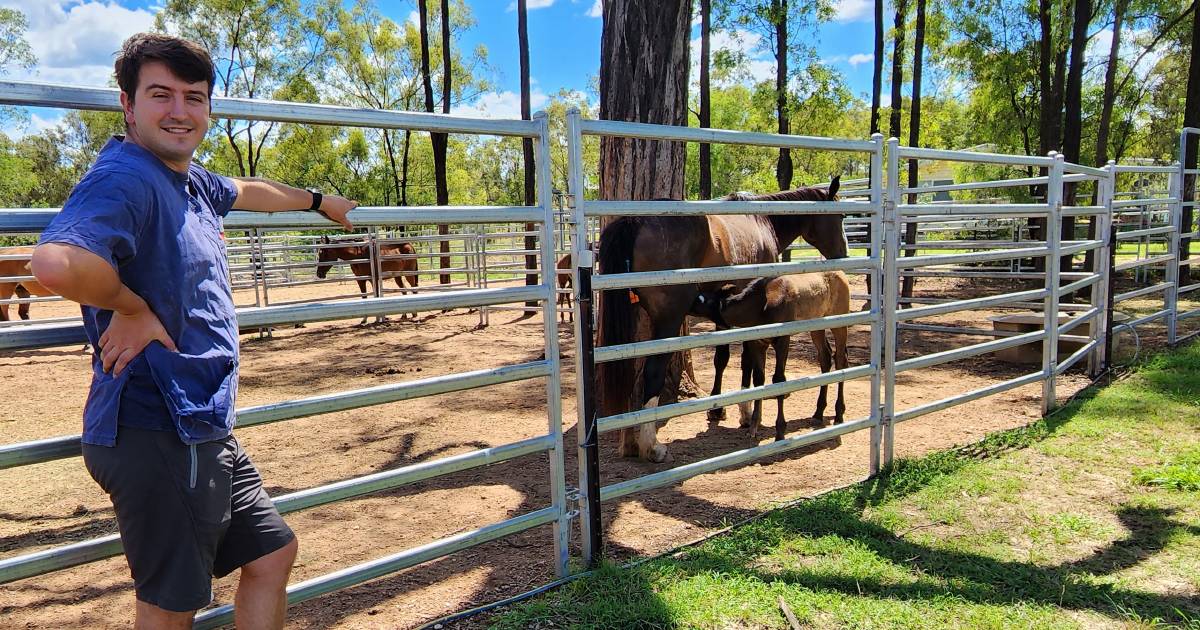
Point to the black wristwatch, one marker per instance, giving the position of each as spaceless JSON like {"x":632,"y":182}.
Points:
{"x":316,"y":200}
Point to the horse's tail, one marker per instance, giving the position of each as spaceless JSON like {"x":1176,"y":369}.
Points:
{"x":618,"y":322}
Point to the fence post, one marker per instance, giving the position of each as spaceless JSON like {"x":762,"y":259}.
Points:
{"x":1104,"y":261}
{"x":1171,"y":299}
{"x":890,"y":303}
{"x":876,"y":297}
{"x":558,"y":474}
{"x":591,"y":532}
{"x":1054,"y":196}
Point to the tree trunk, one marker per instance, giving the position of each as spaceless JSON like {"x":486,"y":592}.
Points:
{"x":897,"y":66}
{"x":531,"y":260}
{"x":644,"y":78}
{"x":1106,"y":108}
{"x":877,"y":81}
{"x":440,"y":141}
{"x":1073,"y":127}
{"x":783,"y":170}
{"x":1110,"y":84}
{"x":705,"y":105}
{"x":404,"y":166}
{"x":1191,"y":118}
{"x":427,"y":83}
{"x":914,"y":136}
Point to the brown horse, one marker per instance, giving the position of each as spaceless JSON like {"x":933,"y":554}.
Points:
{"x":776,"y":301}
{"x":632,"y":244}
{"x":10,"y":269}
{"x":564,"y":282}
{"x":390,"y":261}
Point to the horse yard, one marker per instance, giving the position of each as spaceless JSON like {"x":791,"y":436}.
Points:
{"x":54,"y":503}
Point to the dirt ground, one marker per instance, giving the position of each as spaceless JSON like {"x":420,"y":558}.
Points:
{"x":55,"y":503}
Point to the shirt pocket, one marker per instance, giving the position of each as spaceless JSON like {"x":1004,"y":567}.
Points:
{"x":200,"y":391}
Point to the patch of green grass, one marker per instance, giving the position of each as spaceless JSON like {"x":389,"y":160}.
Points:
{"x":1183,"y":473}
{"x":1038,"y":527}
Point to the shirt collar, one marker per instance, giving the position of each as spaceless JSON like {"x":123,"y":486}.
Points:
{"x":117,"y":145}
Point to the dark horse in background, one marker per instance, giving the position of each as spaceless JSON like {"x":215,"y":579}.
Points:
{"x":632,"y":244}
{"x":390,"y":262}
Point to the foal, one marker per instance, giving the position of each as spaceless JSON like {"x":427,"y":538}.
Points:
{"x":775,"y":301}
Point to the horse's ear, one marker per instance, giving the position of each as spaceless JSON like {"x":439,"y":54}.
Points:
{"x":834,"y":185}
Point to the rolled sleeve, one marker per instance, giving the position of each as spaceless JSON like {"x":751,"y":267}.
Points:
{"x":101,"y":216}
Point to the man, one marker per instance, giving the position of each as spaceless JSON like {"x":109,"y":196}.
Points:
{"x":138,"y":246}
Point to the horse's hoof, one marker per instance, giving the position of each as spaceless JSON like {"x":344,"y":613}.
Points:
{"x":816,"y":422}
{"x":716,"y":415}
{"x":745,"y":414}
{"x":658,"y":454}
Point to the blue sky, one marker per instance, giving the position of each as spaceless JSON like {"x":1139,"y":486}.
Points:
{"x":74,"y":41}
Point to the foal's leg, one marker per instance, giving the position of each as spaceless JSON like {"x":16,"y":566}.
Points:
{"x":759,"y":367}
{"x":362,"y":290}
{"x":824,"y":358}
{"x":746,"y":409}
{"x":6,"y":291}
{"x":781,"y":356}
{"x":720,"y":361}
{"x":839,"y":357}
{"x":23,"y":308}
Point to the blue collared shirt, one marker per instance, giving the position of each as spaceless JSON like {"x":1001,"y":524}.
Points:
{"x":160,"y":229}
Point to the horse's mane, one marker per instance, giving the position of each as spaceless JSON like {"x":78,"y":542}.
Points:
{"x":808,"y":193}
{"x":804,"y":193}
{"x":745,"y":293}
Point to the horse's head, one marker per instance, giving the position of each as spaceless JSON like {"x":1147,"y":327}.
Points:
{"x":325,"y":258}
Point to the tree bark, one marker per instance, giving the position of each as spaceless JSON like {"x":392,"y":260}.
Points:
{"x":531,"y":260}
{"x":877,"y":81}
{"x":644,"y":78}
{"x":440,"y":141}
{"x":783,"y":169}
{"x":1110,"y":84}
{"x":1073,"y":127}
{"x":897,"y":66}
{"x":914,"y":136}
{"x":705,"y":96}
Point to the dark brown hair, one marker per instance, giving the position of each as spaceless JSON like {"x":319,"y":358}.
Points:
{"x":187,"y":60}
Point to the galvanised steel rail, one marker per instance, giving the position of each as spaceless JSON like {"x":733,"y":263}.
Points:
{"x":35,"y":94}
{"x":558,"y":514}
{"x":52,"y":335}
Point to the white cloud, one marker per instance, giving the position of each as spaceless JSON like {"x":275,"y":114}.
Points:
{"x":597,"y":9}
{"x":501,"y":105}
{"x":414,"y":18}
{"x":854,"y":11}
{"x":860,"y":58}
{"x":75,"y":40}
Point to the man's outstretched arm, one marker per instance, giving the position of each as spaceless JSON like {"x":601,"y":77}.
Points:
{"x":264,"y":195}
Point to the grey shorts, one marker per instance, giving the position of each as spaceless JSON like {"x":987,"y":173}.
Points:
{"x":186,"y":513}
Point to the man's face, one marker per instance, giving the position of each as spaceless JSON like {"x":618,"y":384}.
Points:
{"x":167,"y":116}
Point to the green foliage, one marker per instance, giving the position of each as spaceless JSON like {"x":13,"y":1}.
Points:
{"x":1183,"y":473}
